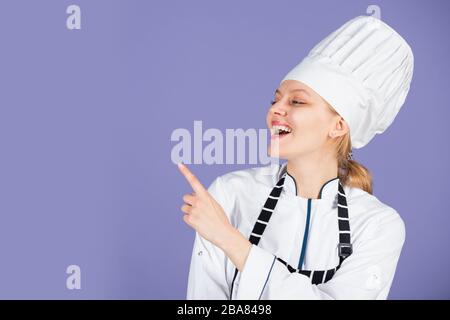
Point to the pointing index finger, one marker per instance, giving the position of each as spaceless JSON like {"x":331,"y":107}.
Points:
{"x":192,"y":179}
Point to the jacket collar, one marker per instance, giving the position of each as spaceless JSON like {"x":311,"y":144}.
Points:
{"x":328,"y":190}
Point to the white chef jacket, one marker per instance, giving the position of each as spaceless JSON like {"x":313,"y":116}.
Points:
{"x":377,"y":235}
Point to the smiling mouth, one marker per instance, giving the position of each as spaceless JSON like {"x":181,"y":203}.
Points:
{"x":278,"y":131}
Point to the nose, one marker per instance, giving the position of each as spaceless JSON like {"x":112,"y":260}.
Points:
{"x":278,"y":109}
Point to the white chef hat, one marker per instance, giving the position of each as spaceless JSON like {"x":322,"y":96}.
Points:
{"x":363,"y":70}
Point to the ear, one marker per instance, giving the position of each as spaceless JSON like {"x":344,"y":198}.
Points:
{"x":340,"y":128}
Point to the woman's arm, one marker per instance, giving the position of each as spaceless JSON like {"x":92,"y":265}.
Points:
{"x":207,"y":272}
{"x":215,"y":240}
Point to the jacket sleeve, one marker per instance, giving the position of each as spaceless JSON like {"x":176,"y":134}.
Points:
{"x":207,"y":273}
{"x":365,"y":274}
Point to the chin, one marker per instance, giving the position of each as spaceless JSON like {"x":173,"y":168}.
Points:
{"x":277,"y":154}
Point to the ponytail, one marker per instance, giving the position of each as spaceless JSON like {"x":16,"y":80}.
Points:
{"x":352,"y":173}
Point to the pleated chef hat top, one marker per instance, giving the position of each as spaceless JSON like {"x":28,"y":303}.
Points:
{"x":363,"y":70}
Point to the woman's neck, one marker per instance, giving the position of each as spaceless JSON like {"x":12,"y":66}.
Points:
{"x":311,"y":172}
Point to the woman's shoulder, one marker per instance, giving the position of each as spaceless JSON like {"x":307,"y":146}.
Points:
{"x":264,"y":176}
{"x":369,"y":212}
{"x":246,"y":186}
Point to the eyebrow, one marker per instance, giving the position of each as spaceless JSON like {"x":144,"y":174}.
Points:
{"x":278,"y":91}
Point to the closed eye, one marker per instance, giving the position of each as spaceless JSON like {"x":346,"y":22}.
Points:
{"x":293,"y":101}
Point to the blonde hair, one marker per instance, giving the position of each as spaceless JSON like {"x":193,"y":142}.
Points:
{"x":351,"y":173}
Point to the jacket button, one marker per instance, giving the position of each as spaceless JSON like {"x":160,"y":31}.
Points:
{"x":200,"y":253}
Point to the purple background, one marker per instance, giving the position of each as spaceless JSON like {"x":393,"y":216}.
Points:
{"x":86,"y":118}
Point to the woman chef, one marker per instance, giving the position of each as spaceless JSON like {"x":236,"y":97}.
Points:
{"x":309,"y":228}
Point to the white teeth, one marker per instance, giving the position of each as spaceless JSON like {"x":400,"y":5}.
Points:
{"x":277,"y":129}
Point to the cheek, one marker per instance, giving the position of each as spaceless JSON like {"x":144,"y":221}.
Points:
{"x":310,"y":127}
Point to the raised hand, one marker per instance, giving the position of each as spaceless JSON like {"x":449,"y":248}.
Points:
{"x":202,"y":212}
{"x":207,"y":217}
